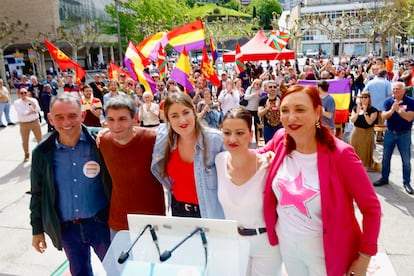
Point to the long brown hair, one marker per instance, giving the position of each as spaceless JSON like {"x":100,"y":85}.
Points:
{"x":185,"y":100}
{"x":323,"y":135}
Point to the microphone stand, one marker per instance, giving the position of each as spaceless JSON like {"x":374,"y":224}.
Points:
{"x":167,"y":253}
{"x":125,"y":254}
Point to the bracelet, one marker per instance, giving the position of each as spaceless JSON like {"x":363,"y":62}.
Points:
{"x":364,"y":255}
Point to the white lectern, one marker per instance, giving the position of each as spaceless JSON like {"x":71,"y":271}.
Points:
{"x":227,"y":254}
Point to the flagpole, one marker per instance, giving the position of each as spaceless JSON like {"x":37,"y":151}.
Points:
{"x":121,"y":61}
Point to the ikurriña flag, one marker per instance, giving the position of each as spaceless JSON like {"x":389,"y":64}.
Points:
{"x":182,"y":72}
{"x":207,"y":69}
{"x":162,"y":63}
{"x":240,"y":67}
{"x":191,"y":36}
{"x":278,"y":40}
{"x":64,"y":62}
{"x":340,"y":90}
{"x":135,"y":62}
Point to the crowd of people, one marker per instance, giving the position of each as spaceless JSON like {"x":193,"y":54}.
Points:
{"x":195,"y":147}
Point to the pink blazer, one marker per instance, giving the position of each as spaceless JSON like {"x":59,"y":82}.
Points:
{"x":343,"y":180}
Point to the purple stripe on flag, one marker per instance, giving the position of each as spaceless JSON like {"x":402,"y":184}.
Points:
{"x":130,"y":66}
{"x":190,"y":46}
{"x":182,"y":78}
{"x":336,"y":86}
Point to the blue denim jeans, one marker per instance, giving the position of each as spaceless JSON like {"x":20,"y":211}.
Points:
{"x":5,"y":108}
{"x":403,"y":143}
{"x":77,"y":240}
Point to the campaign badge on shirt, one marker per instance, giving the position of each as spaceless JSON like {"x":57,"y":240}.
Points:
{"x":91,"y":169}
{"x":403,"y":107}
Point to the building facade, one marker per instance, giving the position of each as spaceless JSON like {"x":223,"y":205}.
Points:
{"x":354,"y":41}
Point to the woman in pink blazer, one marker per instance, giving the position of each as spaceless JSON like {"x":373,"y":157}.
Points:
{"x":310,"y":191}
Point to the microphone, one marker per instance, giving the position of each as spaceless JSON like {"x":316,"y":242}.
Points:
{"x":167,"y":253}
{"x":125,"y":254}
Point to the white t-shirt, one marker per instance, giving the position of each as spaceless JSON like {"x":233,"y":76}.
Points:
{"x":243,"y":203}
{"x":297,"y":189}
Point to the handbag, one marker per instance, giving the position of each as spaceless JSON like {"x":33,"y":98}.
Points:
{"x":243,"y":101}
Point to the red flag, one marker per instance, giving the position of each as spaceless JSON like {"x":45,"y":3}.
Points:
{"x":64,"y":62}
{"x":162,"y":63}
{"x":115,"y":70}
{"x":240,"y":67}
{"x":207,"y":69}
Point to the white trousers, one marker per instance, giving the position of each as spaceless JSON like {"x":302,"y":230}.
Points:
{"x":264,"y":259}
{"x":302,"y":257}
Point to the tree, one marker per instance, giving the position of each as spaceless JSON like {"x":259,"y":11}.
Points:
{"x":265,"y":9}
{"x":233,"y":4}
{"x":139,"y":18}
{"x":336,"y":29}
{"x":9,"y":32}
{"x":79,"y":37}
{"x":384,"y":22}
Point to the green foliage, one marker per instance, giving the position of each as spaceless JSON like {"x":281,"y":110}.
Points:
{"x":264,"y":10}
{"x":208,"y":8}
{"x":233,"y":4}
{"x":191,"y":3}
{"x":140,"y":18}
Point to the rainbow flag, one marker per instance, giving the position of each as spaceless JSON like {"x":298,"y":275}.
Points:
{"x":136,"y":63}
{"x":190,"y":36}
{"x":340,"y":90}
{"x":150,"y":45}
{"x":213,"y":51}
{"x":182,"y":72}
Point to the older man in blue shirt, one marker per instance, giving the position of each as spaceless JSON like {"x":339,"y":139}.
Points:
{"x":70,"y":189}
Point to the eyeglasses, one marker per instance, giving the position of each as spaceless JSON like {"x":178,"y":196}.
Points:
{"x":23,"y":93}
{"x":273,"y":86}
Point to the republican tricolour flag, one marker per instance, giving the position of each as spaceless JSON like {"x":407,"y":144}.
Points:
{"x":213,"y":51}
{"x":191,"y":36}
{"x":64,"y":62}
{"x":340,"y":90}
{"x":136,"y":63}
{"x":150,"y":45}
{"x":182,"y":72}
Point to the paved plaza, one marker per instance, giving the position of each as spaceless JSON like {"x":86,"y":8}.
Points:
{"x":18,"y":257}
